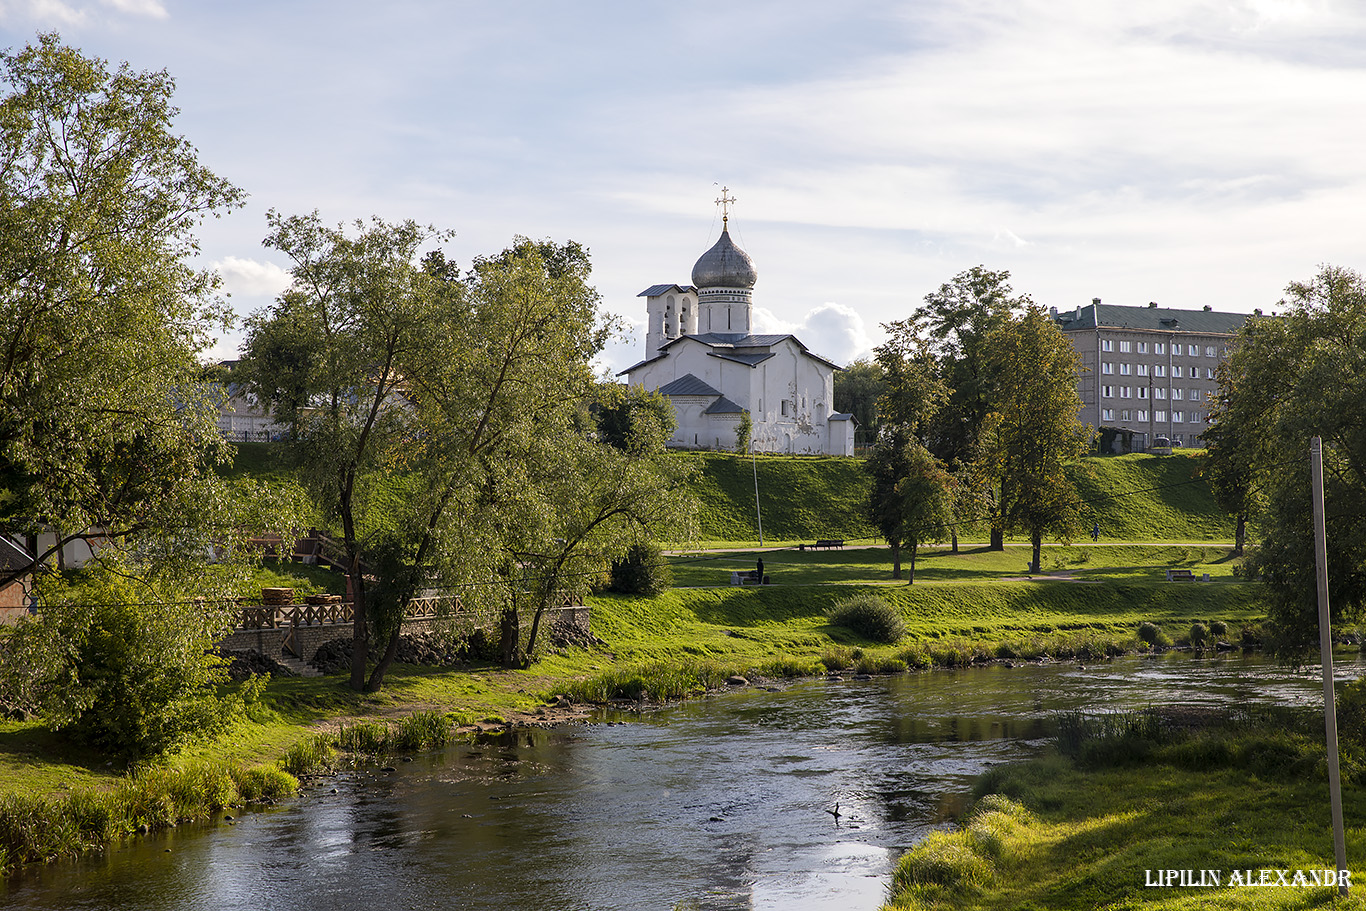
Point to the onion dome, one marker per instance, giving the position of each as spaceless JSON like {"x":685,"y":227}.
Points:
{"x":724,"y":266}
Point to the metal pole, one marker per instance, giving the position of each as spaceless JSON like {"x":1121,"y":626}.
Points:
{"x":758,"y":514}
{"x":1330,"y":720}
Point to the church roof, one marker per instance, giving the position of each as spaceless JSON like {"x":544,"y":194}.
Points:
{"x":724,"y":266}
{"x":687,"y":384}
{"x":748,"y":359}
{"x":656,"y":290}
{"x":723,"y":405}
{"x":843,"y":416}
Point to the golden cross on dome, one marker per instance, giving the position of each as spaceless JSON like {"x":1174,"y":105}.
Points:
{"x":724,"y":202}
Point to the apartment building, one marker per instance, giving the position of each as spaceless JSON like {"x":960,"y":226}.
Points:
{"x":1148,"y":372}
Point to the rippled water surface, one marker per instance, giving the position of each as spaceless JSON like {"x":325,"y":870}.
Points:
{"x":724,"y":802}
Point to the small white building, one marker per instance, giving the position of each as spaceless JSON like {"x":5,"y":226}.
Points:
{"x":701,"y":352}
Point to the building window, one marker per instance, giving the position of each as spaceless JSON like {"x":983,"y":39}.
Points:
{"x":1124,"y":415}
{"x":1124,"y":347}
{"x":784,"y":407}
{"x":1142,"y":415}
{"x":1124,"y":369}
{"x":1160,"y":392}
{"x":1209,"y":351}
{"x":1124,"y":391}
{"x":1107,"y":392}
{"x":1209,"y":373}
{"x":1143,"y":392}
{"x":1195,"y":395}
{"x":1107,"y":345}
{"x":1107,"y":368}
{"x":1107,"y":414}
{"x":1176,"y":394}
{"x":1142,"y":347}
{"x":1159,"y":369}
{"x":1176,"y":370}
{"x":1159,"y":348}
{"x":1177,"y":438}
{"x":1176,"y":417}
{"x":1193,"y":350}
{"x":1142,"y":369}
{"x":1159,"y":416}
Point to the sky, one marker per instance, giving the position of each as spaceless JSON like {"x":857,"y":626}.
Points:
{"x":1188,"y":152}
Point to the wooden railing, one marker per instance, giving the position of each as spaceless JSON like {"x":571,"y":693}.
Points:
{"x":283,"y":616}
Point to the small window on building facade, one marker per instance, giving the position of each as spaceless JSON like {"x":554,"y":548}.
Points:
{"x":1209,"y":351}
{"x":1195,"y":395}
{"x":784,"y":407}
{"x":1142,"y":369}
{"x":1124,"y":392}
{"x":1176,"y":417}
{"x":1142,"y":414}
{"x":1143,"y":392}
{"x":1193,"y":350}
{"x":1159,"y":369}
{"x":1124,"y":415}
{"x":1107,"y":392}
{"x":1159,"y":416}
{"x":1160,"y":392}
{"x":1178,"y":438}
{"x":1107,"y":368}
{"x":1159,"y":347}
{"x":1124,"y":347}
{"x":1124,"y":369}
{"x":1107,"y":345}
{"x":1142,"y":347}
{"x":1177,"y":393}
{"x":1107,"y":414}
{"x":1209,"y":373}
{"x":1176,"y":370}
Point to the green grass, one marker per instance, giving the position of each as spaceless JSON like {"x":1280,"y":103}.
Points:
{"x":1080,"y":831}
{"x":1142,"y":497}
{"x":974,"y":563}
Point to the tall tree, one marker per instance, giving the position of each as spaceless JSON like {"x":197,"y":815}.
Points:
{"x":334,"y":359}
{"x":927,"y":495}
{"x":104,"y":421}
{"x":1034,"y":433}
{"x":857,"y":390}
{"x":1289,"y":379}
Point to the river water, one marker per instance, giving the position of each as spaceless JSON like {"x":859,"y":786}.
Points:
{"x":725,"y":802}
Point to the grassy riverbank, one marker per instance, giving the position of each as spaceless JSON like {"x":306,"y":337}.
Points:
{"x":1123,"y":799}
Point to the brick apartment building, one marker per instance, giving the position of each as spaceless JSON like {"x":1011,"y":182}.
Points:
{"x":1148,"y":372}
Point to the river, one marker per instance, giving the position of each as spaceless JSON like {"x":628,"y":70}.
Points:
{"x":724,"y":802}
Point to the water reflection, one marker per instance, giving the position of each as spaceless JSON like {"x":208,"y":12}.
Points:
{"x":724,"y":802}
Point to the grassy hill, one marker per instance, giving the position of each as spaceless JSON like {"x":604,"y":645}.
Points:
{"x":1132,"y":497}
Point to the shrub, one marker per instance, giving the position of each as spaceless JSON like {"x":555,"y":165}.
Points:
{"x":642,"y":571}
{"x":1199,"y":635}
{"x":1152,"y":634}
{"x":870,"y":617}
{"x":125,"y":671}
{"x":313,"y":754}
{"x":1218,"y":629}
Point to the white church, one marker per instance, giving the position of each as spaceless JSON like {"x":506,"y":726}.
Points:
{"x":701,"y":353}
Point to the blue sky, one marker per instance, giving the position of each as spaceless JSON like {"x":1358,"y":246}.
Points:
{"x":1188,"y":153}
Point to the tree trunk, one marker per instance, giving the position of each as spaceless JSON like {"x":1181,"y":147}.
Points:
{"x":998,"y":539}
{"x":896,"y":559}
{"x":359,"y":650}
{"x":1240,"y":535}
{"x":382,"y":667}
{"x":535,"y":630}
{"x":509,"y":637}
{"x":915,"y":547}
{"x":1036,"y":540}
{"x":954,"y":537}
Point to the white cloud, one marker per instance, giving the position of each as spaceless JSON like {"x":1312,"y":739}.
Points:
{"x":149,"y":8}
{"x":251,"y":278}
{"x":831,"y":330}
{"x":53,"y":12}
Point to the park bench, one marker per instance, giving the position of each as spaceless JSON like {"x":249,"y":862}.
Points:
{"x":824,"y":544}
{"x":743,"y":577}
{"x":1180,"y":575}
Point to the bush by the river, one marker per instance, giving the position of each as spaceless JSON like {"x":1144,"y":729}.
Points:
{"x":870,"y":617}
{"x":642,"y":571}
